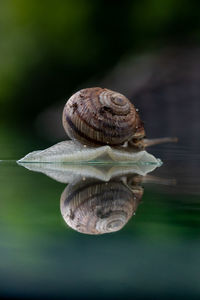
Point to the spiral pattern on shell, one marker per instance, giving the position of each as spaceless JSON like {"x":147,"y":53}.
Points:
{"x":97,"y":208}
{"x":96,"y":116}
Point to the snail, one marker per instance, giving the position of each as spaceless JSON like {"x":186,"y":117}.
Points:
{"x":104,"y":126}
{"x":98,"y":116}
{"x":96,"y":207}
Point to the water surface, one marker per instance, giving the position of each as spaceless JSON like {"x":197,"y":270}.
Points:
{"x":154,"y":256}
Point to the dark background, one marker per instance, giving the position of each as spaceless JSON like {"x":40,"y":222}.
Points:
{"x":148,"y":50}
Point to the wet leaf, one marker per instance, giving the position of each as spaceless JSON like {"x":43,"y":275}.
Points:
{"x":69,"y":151}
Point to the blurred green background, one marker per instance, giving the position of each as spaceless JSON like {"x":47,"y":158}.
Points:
{"x":49,"y":49}
{"x":149,"y":50}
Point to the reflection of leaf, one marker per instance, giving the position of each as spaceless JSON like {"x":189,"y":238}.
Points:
{"x":67,"y":173}
{"x":69,"y":151}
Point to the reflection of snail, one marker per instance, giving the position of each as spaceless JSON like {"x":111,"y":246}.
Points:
{"x":99,"y":198}
{"x":96,"y":117}
{"x":96,"y":207}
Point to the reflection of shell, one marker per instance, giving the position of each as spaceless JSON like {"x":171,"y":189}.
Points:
{"x":96,"y":207}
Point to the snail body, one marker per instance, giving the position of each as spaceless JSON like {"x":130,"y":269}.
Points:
{"x":97,"y":116}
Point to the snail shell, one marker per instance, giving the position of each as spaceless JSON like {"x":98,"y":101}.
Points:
{"x":97,"y":207}
{"x":97,"y":116}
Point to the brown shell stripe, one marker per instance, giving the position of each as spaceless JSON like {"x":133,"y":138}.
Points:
{"x":88,"y":138}
{"x":118,"y":129}
{"x":103,"y":190}
{"x":123,"y":126}
{"x":94,"y":103}
{"x":106,"y":128}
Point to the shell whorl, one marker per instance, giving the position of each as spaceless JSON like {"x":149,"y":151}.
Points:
{"x":96,"y":116}
{"x":97,"y":208}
